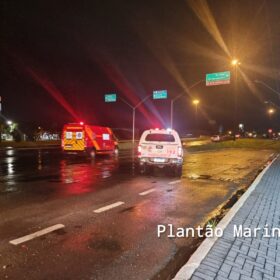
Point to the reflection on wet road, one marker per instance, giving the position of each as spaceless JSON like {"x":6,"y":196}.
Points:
{"x":108,"y":214}
{"x":51,"y":166}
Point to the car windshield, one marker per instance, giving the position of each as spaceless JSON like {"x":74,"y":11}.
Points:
{"x":160,"y":137}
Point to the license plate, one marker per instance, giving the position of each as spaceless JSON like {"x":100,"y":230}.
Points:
{"x":68,"y":146}
{"x":159,"y":160}
{"x":159,"y":147}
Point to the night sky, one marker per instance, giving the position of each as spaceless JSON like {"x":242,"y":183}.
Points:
{"x":59,"y":59}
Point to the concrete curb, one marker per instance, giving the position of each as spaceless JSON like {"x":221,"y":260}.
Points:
{"x":193,"y":263}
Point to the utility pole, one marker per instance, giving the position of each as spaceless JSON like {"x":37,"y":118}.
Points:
{"x":176,"y":98}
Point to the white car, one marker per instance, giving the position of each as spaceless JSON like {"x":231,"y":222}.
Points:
{"x":160,"y":148}
{"x":216,"y":138}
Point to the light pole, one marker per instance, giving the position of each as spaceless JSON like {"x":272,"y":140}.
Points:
{"x":267,"y":86}
{"x":176,"y":98}
{"x":196,"y":103}
{"x":235,"y":63}
{"x":271,"y":112}
{"x":271,"y":103}
{"x":133,"y":114}
{"x":133,"y":122}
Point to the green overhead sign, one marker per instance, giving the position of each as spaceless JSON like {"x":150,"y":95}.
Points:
{"x":112,"y":97}
{"x":160,"y":94}
{"x":219,"y":78}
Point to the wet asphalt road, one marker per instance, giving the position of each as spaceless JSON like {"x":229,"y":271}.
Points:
{"x":42,"y":188}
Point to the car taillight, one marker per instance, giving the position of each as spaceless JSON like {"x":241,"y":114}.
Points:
{"x":139,"y":150}
{"x":180,"y":151}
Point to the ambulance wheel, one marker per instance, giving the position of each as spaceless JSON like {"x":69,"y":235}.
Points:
{"x":92,"y":153}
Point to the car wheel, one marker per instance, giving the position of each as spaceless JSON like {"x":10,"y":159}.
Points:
{"x":142,"y":169}
{"x":178,"y":170}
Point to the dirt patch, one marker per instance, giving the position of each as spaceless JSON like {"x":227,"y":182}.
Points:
{"x":106,"y":244}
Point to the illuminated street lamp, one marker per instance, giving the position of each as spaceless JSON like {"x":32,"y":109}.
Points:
{"x":9,"y":123}
{"x":235,"y":62}
{"x":271,"y":111}
{"x":176,"y":98}
{"x":196,"y":102}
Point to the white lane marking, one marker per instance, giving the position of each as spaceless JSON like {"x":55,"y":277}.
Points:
{"x":147,"y":192}
{"x":108,"y":207}
{"x":174,"y":182}
{"x":36,"y":234}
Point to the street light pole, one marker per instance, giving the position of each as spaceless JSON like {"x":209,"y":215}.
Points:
{"x":171,"y":113}
{"x":267,"y":86}
{"x":133,"y":118}
{"x":270,"y":88}
{"x":196,"y":103}
{"x":176,"y":98}
{"x":133,"y":127}
{"x":235,"y":63}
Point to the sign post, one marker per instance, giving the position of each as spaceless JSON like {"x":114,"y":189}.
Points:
{"x":160,"y":94}
{"x":219,"y":78}
{"x":111,"y":97}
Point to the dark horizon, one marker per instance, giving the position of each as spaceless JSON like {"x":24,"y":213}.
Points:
{"x":59,"y":60}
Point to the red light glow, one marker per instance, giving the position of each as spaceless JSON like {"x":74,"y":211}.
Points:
{"x":52,"y":90}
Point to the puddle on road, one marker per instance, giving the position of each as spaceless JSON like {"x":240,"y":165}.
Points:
{"x":105,"y":244}
{"x":208,"y":177}
{"x":8,"y":190}
{"x":203,"y":177}
{"x":78,"y":226}
{"x":60,"y":232}
{"x":56,"y":181}
{"x":128,"y":209}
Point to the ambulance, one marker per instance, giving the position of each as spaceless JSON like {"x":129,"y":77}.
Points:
{"x":92,"y":140}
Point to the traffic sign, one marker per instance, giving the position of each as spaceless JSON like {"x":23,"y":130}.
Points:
{"x":219,"y":78}
{"x":111,"y":97}
{"x":160,"y":94}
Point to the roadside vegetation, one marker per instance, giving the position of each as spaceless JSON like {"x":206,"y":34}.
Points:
{"x":256,"y":144}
